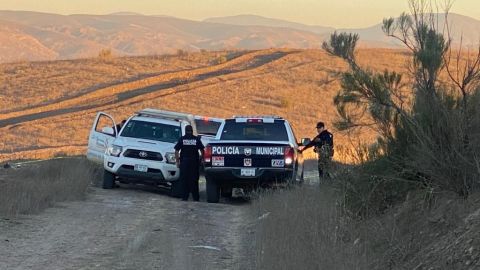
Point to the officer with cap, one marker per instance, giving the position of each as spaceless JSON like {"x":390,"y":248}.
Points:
{"x":188,"y":160}
{"x":323,"y":144}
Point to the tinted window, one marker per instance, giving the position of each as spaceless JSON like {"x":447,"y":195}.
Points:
{"x":254,"y":131}
{"x":151,"y":131}
{"x":207,"y":127}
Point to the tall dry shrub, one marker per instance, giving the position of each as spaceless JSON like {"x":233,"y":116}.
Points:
{"x":427,"y":130}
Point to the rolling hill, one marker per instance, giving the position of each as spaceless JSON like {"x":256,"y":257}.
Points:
{"x":79,"y":36}
{"x":462,"y":28}
{"x":251,"y":20}
{"x":48,"y":107}
{"x":35,"y":36}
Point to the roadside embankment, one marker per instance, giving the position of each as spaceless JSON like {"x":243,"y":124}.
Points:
{"x":36,"y":186}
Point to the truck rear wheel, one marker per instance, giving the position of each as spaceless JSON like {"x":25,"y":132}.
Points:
{"x":213,"y":191}
{"x":108,"y":180}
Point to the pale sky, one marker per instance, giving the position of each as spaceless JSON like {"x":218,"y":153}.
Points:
{"x":336,"y":13}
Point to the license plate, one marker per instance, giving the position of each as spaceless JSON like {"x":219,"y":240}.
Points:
{"x":140,"y":168}
{"x":218,"y":161}
{"x":247,"y":172}
{"x":278,"y":162}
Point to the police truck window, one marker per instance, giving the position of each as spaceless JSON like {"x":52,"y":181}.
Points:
{"x":255,"y":131}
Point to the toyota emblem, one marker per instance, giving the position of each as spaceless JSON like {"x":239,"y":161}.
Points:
{"x":143,"y":154}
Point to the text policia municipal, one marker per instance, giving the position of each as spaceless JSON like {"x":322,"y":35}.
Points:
{"x":235,"y":150}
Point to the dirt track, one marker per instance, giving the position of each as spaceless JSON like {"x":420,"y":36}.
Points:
{"x":104,"y":97}
{"x":131,"y":228}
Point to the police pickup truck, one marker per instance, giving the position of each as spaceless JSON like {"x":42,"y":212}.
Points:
{"x":251,"y":151}
{"x":141,"y":151}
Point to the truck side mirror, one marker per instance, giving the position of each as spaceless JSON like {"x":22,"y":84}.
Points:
{"x":305,"y":141}
{"x":108,"y":131}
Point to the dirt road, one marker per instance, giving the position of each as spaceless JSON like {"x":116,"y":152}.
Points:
{"x":131,"y":228}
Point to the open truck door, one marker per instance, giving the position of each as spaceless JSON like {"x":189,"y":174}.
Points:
{"x":103,"y":132}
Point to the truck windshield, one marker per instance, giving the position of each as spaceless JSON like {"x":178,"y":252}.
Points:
{"x":151,"y":131}
{"x":206,"y":127}
{"x":254,"y":131}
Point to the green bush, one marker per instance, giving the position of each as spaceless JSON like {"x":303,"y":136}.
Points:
{"x":373,"y":187}
{"x":428,"y":131}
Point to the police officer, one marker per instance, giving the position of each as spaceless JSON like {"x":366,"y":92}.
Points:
{"x":119,"y":126}
{"x":188,"y":160}
{"x":323,"y":144}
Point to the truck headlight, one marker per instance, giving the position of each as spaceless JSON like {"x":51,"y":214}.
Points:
{"x":115,"y":150}
{"x":170,"y":157}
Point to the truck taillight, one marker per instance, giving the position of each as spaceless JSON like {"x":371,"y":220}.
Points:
{"x":208,"y":154}
{"x":289,"y":155}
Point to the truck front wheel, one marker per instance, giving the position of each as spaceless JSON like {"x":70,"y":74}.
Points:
{"x":176,"y":189}
{"x":108,"y":180}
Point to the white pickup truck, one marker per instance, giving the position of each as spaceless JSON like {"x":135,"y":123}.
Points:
{"x":142,"y":150}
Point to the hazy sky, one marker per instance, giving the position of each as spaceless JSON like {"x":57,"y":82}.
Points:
{"x":337,"y":13}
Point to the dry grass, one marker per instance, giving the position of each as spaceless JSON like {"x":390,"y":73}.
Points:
{"x":303,"y":228}
{"x":299,"y":86}
{"x":27,"y":84}
{"x":38,"y":186}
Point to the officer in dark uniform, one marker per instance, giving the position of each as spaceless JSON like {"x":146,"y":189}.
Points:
{"x":119,"y":126}
{"x":188,"y":160}
{"x":323,"y":144}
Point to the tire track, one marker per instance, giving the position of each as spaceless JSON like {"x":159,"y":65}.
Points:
{"x":137,"y":78}
{"x":251,"y":61}
{"x":197,"y":85}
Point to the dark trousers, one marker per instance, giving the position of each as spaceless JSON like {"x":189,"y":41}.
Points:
{"x":189,"y":176}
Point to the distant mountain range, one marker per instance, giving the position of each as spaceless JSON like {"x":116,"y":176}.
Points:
{"x":42,"y":36}
{"x":462,"y":27}
{"x":251,"y":20}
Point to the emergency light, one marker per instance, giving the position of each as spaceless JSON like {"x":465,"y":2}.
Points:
{"x":207,"y":154}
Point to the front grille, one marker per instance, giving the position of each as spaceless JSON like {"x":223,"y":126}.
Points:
{"x":140,"y":154}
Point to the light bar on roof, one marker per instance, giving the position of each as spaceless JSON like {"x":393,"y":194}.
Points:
{"x":258,"y":116}
{"x":253,"y":120}
{"x":207,"y":118}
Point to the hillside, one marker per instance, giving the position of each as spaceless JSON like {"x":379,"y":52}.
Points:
{"x":270,"y":22}
{"x":462,"y":28}
{"x":32,"y":36}
{"x":16,"y":44}
{"x":51,"y":105}
{"x":79,"y":36}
